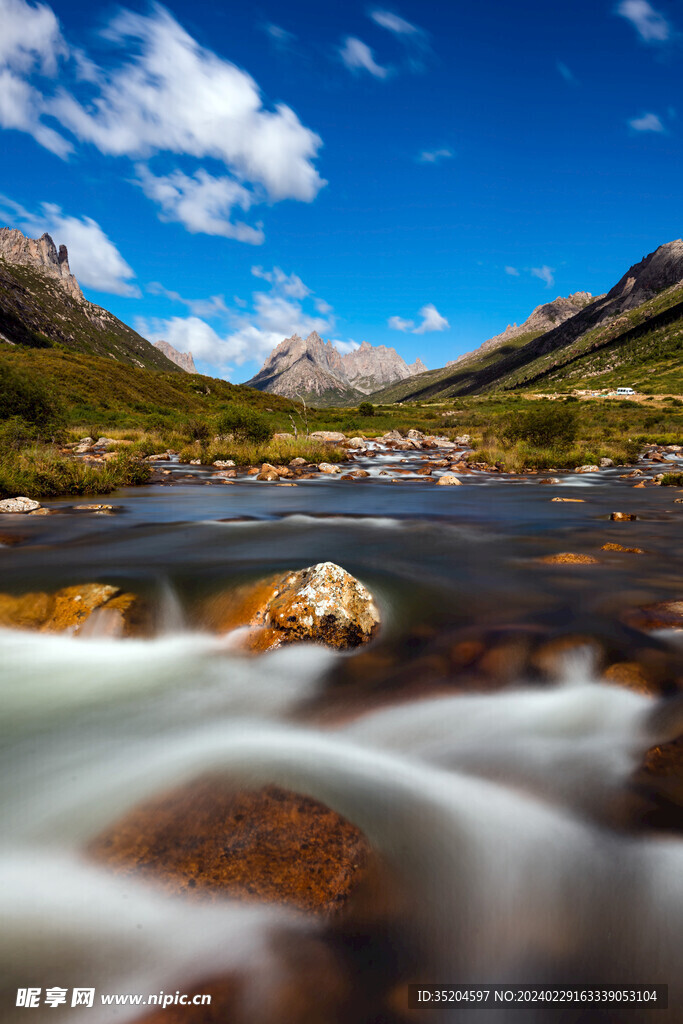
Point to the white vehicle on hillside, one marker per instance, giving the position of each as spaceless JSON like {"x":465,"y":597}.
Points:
{"x":625,"y":391}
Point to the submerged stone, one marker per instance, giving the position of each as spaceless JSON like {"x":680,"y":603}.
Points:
{"x":266,"y":845}
{"x":72,"y":610}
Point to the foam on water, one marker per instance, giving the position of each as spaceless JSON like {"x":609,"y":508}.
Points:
{"x":488,"y":810}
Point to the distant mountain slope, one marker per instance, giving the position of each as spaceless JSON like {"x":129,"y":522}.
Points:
{"x":543,"y":318}
{"x":648,"y":290}
{"x":182,"y":359}
{"x":315,"y":370}
{"x":41,"y":304}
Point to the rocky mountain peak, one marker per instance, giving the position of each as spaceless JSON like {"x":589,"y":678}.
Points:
{"x":40,"y":254}
{"x":659,"y":270}
{"x":315,"y":368}
{"x":182,"y":359}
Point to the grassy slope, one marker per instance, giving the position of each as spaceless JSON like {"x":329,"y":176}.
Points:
{"x":641,"y":348}
{"x":37,"y":312}
{"x":450,"y":380}
{"x":101,"y":390}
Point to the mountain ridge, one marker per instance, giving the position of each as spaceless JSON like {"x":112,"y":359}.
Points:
{"x":315,"y":370}
{"x":530,"y":358}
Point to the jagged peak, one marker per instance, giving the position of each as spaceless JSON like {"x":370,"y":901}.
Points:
{"x":41,"y":254}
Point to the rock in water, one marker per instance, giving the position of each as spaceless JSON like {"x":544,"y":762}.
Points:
{"x":324,"y":603}
{"x":320,"y":604}
{"x":449,"y":480}
{"x":69,"y":609}
{"x":20,"y":504}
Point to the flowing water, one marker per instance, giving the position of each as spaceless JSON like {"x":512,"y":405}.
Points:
{"x":475,"y":743}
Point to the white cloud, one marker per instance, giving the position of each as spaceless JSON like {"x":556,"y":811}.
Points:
{"x":433,"y":156}
{"x":398,"y":323}
{"x":212,"y":307}
{"x":651,"y":26}
{"x":93,"y":257}
{"x":163,"y":93}
{"x":247,"y":334}
{"x":30,"y":37}
{"x":647,"y":123}
{"x":201,"y":203}
{"x":512,"y":271}
{"x":288,"y":284}
{"x":30,"y":41}
{"x":393,"y":23}
{"x":177,"y":96}
{"x":545,"y":273}
{"x":431,"y":321}
{"x":413,"y":39}
{"x":357,"y":56}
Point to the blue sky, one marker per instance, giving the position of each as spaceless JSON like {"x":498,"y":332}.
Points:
{"x":417,"y":175}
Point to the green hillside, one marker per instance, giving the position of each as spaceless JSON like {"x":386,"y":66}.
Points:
{"x":642,"y":348}
{"x":451,"y":380}
{"x":95,"y":389}
{"x":37,"y":312}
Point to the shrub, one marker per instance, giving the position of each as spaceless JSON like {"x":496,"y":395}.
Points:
{"x":244,"y":424}
{"x":672,"y":480}
{"x":197,"y":430}
{"x":26,"y":397}
{"x":366,"y":409}
{"x":545,"y":426}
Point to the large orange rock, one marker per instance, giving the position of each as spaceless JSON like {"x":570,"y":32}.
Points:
{"x":264,"y":845}
{"x":320,"y":604}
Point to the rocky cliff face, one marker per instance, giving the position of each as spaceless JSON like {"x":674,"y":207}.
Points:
{"x":313,"y":369}
{"x":40,"y":254}
{"x":543,"y":318}
{"x":373,"y":366}
{"x":182,"y":359}
{"x":42,"y":305}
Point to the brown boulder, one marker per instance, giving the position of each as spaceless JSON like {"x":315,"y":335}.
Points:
{"x":631,"y":675}
{"x":264,"y":845}
{"x":664,"y":615}
{"x":622,"y":517}
{"x":268,"y":472}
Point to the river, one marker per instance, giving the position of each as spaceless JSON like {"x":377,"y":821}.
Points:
{"x":477,"y":744}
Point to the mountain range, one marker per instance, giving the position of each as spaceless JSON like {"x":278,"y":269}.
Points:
{"x":633,"y":335}
{"x":316,"y":371}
